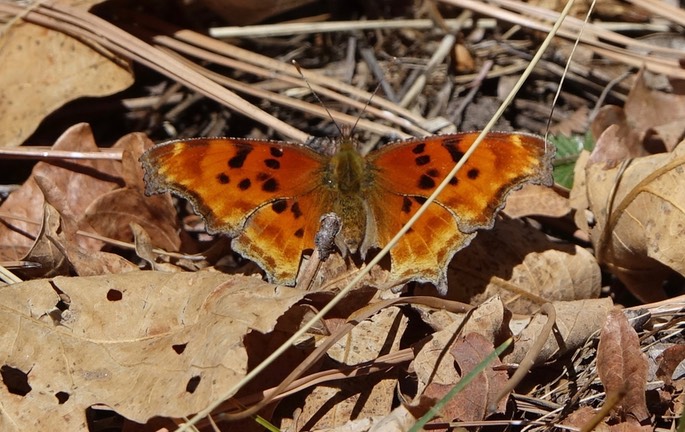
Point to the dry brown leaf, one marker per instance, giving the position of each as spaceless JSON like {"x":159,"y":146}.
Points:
{"x":576,"y":322}
{"x":582,"y":417}
{"x":668,"y":361}
{"x":42,"y":69}
{"x":145,"y":343}
{"x":578,"y":197}
{"x":399,"y":420}
{"x":576,"y":123}
{"x":93,"y":263}
{"x":73,"y":186}
{"x":111,"y":213}
{"x":637,"y":219}
{"x":433,"y":364}
{"x":536,"y":200}
{"x":622,"y":133}
{"x":520,"y":263}
{"x":488,"y":319}
{"x":330,"y":406}
{"x":472,"y":402}
{"x":45,"y":251}
{"x":617,"y":141}
{"x":622,"y":366}
{"x":371,"y":338}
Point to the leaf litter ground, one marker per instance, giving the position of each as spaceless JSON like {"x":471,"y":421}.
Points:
{"x":110,"y":340}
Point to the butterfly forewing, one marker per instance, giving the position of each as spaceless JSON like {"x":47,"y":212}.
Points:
{"x":502,"y":162}
{"x":227,"y":179}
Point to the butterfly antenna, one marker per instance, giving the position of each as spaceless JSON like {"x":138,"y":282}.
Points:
{"x":306,"y":81}
{"x":568,"y":66}
{"x":368,"y":102}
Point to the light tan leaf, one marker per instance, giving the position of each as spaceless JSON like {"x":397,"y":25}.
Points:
{"x":520,"y":263}
{"x":639,"y":220}
{"x":622,"y":366}
{"x":42,"y":69}
{"x":144,"y":343}
{"x":371,"y":338}
{"x":576,"y":322}
{"x":330,"y":406}
{"x":538,"y":200}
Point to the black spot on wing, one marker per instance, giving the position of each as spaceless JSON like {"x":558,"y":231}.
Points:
{"x":276,"y":152}
{"x":419,"y":148}
{"x":279,"y":206}
{"x":271,"y":185}
{"x":422,"y":160}
{"x":454,"y":181}
{"x":296,"y":210}
{"x":299,"y":233}
{"x":244,"y":184}
{"x":238,"y":160}
{"x":426,"y":183}
{"x":272,"y":163}
{"x":420,"y":199}
{"x":433,"y":173}
{"x":406,"y":205}
{"x":454,"y":152}
{"x":473,"y":173}
{"x":223,"y":178}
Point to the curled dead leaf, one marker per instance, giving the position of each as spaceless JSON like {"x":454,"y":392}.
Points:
{"x":576,"y":322}
{"x":650,"y":122}
{"x":637,"y":219}
{"x":91,"y":178}
{"x":524,"y":267}
{"x":622,"y":366}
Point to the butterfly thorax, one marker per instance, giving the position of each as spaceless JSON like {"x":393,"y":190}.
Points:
{"x":348,"y":179}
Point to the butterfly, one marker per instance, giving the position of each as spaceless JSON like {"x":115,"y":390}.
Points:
{"x":269,"y":196}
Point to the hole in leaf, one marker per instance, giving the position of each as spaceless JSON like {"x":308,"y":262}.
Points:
{"x":16,"y":380}
{"x":62,"y":305}
{"x":179,"y":348}
{"x":62,"y":397}
{"x":114,"y":295}
{"x":193,"y":383}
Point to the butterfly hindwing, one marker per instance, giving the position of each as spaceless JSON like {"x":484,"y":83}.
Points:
{"x":423,"y":253}
{"x":276,"y":235}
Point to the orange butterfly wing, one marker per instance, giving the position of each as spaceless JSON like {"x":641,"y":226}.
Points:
{"x":263,"y":193}
{"x":408,"y":172}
